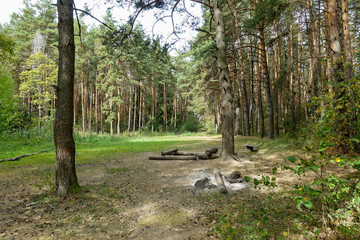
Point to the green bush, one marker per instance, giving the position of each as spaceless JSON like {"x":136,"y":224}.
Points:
{"x":191,"y":125}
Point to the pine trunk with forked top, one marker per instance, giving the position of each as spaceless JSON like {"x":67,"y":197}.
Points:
{"x":227,"y":130}
{"x":65,"y":173}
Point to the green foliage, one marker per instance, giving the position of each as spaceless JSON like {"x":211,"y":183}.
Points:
{"x":339,"y":124}
{"x":38,"y":82}
{"x":7,"y":46}
{"x":267,"y":12}
{"x":191,"y":125}
{"x":8,"y":104}
{"x":268,"y":218}
{"x":331,"y":199}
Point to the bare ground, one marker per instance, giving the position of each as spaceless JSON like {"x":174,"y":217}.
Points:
{"x":129,"y":197}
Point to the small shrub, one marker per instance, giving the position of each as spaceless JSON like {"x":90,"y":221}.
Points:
{"x":191,"y":125}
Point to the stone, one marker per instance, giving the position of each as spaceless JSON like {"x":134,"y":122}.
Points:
{"x":201,"y":184}
{"x":234,"y":175}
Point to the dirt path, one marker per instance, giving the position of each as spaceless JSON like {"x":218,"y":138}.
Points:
{"x":160,"y":201}
{"x":126,"y":198}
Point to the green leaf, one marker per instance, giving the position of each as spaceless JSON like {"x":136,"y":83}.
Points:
{"x":247,"y":179}
{"x":292,"y":159}
{"x":274,"y":170}
{"x":308,"y":204}
{"x":314,"y":168}
{"x":307,"y":148}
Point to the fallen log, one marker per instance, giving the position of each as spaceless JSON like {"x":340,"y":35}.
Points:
{"x":172,"y":157}
{"x":199,"y":156}
{"x":25,"y":155}
{"x":220,"y":181}
{"x":211,"y":151}
{"x":251,"y":148}
{"x":185,"y":153}
{"x":203,"y":156}
{"x":170,"y":152}
{"x":237,"y":158}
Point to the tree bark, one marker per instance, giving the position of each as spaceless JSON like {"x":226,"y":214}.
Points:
{"x":225,"y":82}
{"x":291,"y":80}
{"x":130,"y":106}
{"x":276,"y":75}
{"x":298,"y":78}
{"x":260,"y":101}
{"x":348,"y":72}
{"x":65,"y":173}
{"x":267,"y":78}
{"x":242,"y":83}
{"x":110,"y":113}
{"x":96,"y":109}
{"x":118,"y":112}
{"x":335,"y":46}
{"x":153,"y":103}
{"x":90,"y":107}
{"x":165,"y":110}
{"x":140,"y":104}
{"x":135,"y":108}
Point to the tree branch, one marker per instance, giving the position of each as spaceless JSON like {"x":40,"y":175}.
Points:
{"x":87,"y":13}
{"x":205,"y":31}
{"x":79,"y":25}
{"x":133,"y":22}
{"x":26,"y":155}
{"x":203,"y":3}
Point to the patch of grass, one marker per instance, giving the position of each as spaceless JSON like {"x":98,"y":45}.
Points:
{"x":252,"y":216}
{"x":266,"y":146}
{"x":175,"y":218}
{"x":90,"y":148}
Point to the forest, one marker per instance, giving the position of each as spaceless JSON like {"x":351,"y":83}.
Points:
{"x":94,"y":101}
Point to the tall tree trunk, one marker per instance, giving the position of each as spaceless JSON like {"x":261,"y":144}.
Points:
{"x":101,"y":112}
{"x":260,"y":101}
{"x":348,"y":72}
{"x":65,"y":173}
{"x":228,"y":148}
{"x":298,"y":82}
{"x":135,"y":109}
{"x":311,"y":65}
{"x":140,"y":104}
{"x":267,"y":76}
{"x":110,"y":113}
{"x":90,"y":107}
{"x":83,"y":111}
{"x":96,"y":109}
{"x":291,"y":80}
{"x":242,"y":83}
{"x":276,"y":75}
{"x":343,"y":125}
{"x":118,"y":130}
{"x":305,"y":98}
{"x":165,"y":110}
{"x":314,"y":53}
{"x":252,"y":89}
{"x":130,"y":107}
{"x":175,"y":107}
{"x":335,"y":45}
{"x":153,"y":103}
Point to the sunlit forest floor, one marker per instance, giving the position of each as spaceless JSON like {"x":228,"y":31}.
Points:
{"x":126,"y":196}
